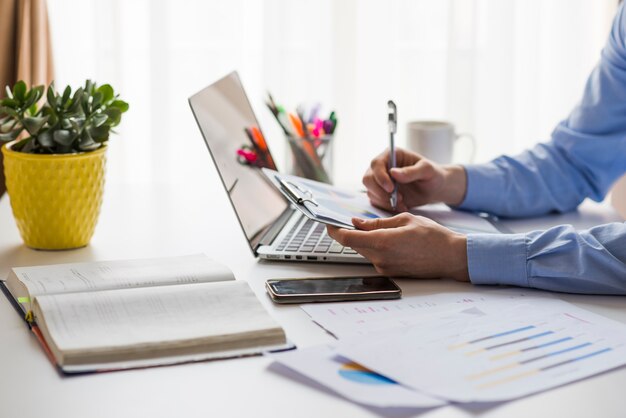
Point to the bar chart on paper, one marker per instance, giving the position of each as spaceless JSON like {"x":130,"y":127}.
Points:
{"x":492,"y":359}
{"x":522,"y":353}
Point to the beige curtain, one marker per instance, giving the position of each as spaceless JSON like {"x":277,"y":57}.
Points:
{"x":25,"y":51}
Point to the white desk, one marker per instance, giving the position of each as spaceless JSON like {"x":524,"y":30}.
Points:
{"x":136,"y":222}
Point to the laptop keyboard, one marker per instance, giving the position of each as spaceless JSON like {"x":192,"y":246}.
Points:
{"x":308,"y":236}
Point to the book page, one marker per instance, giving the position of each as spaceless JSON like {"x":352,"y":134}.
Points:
{"x":120,"y":320}
{"x":120,"y":274}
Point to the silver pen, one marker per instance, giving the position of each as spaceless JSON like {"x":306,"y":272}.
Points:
{"x":393,"y":125}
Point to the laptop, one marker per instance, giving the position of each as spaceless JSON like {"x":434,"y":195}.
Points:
{"x":275,"y":230}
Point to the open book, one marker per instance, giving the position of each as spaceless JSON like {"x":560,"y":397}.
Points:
{"x":125,"y":314}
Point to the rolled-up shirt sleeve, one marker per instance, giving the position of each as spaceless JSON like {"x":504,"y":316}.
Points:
{"x":584,"y":157}
{"x":561,"y":259}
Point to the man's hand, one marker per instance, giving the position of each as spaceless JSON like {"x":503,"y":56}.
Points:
{"x":419,"y":180}
{"x":407,"y":245}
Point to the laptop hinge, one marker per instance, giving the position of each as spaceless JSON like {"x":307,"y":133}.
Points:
{"x":270,"y":235}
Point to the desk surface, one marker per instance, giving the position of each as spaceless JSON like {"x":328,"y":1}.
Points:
{"x":148,"y":221}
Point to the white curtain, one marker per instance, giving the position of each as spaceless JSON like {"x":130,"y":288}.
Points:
{"x":506,"y":71}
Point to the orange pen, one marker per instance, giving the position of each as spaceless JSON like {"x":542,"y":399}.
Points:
{"x":297,"y":124}
{"x":307,"y":144}
{"x":259,"y":140}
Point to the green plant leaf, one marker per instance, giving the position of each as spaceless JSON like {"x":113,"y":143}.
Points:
{"x":99,"y":119}
{"x":19,"y":144}
{"x":91,"y":146}
{"x":107,"y":92}
{"x":51,"y":96}
{"x":86,"y":143}
{"x":53,"y":119}
{"x":29,"y":99}
{"x":19,"y":91}
{"x":77,"y":101}
{"x":10,"y":136}
{"x":89,"y":87}
{"x":47,"y":110}
{"x":97,"y":100}
{"x":121,"y":105}
{"x":34,"y":123}
{"x":77,"y":123}
{"x":66,"y":95}
{"x":32,"y":110}
{"x":45,"y":139}
{"x":100,"y":134}
{"x":12,"y":103}
{"x":79,"y":120}
{"x":39,"y":92}
{"x":114,"y":114}
{"x":85,"y":102}
{"x":29,"y":145}
{"x":33,"y":96}
{"x":63,"y":137}
{"x":7,"y":124}
{"x":8,"y":111}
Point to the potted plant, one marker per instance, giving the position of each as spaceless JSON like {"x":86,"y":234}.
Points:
{"x":54,"y":160}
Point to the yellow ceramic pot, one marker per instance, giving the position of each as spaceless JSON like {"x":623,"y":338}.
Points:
{"x":55,"y":198}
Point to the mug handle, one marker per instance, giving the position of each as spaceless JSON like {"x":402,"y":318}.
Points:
{"x":472,"y":141}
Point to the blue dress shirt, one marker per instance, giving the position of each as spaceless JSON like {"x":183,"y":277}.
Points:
{"x":585,"y":156}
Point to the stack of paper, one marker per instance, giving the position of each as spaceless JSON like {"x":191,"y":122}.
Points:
{"x":425,"y":351}
{"x":353,"y":381}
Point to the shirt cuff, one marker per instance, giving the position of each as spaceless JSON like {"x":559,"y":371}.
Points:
{"x":497,"y":259}
{"x":480,"y":188}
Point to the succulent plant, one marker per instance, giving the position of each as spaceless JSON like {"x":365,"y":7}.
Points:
{"x":66,"y":123}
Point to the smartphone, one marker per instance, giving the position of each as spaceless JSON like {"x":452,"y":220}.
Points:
{"x":332,"y":289}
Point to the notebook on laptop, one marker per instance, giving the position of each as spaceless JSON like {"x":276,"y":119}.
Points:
{"x":274,"y":229}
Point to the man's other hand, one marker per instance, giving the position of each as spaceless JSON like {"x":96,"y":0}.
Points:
{"x":407,"y":245}
{"x":420,"y":181}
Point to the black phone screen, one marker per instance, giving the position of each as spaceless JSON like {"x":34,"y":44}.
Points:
{"x":344,"y":285}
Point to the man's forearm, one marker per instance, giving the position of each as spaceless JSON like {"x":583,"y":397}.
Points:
{"x":536,"y":182}
{"x":591,"y":261}
{"x":455,"y":185}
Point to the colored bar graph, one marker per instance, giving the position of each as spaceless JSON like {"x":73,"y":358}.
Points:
{"x":542,"y":369}
{"x":521,"y":364}
{"x":501,"y":334}
{"x":532,"y":337}
{"x":530,"y":360}
{"x":555,"y":353}
{"x":586,"y":356}
{"x":534,"y":347}
{"x":519,"y":340}
{"x":489,"y":337}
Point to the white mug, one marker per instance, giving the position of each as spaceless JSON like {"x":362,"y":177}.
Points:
{"x":435,"y":140}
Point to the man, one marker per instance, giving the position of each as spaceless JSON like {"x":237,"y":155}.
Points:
{"x":586,"y":155}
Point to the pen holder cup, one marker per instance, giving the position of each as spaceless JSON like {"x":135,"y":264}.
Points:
{"x":311,"y":158}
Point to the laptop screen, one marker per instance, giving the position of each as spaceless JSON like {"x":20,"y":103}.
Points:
{"x":228,"y":124}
